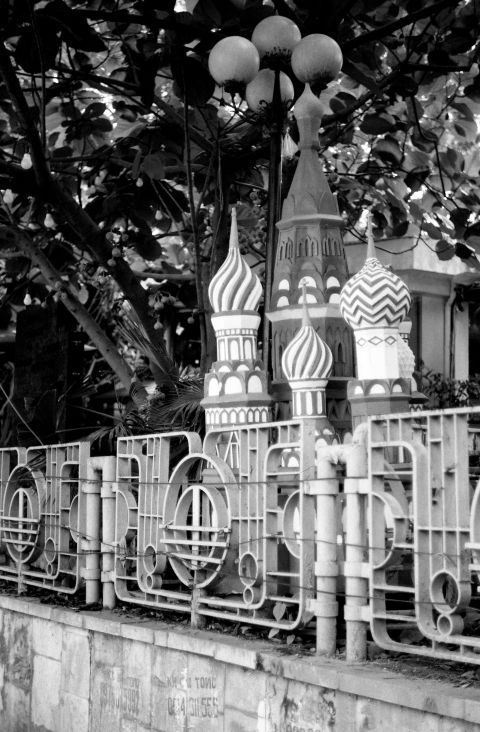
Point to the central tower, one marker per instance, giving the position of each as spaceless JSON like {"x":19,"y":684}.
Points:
{"x":310,"y":266}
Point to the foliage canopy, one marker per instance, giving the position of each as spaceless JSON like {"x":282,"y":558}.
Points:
{"x":119,"y":157}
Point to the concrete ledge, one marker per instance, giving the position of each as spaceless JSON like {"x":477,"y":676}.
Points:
{"x":133,"y":664}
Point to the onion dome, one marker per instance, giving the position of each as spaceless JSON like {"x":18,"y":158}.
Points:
{"x":375,"y":296}
{"x":235,"y":286}
{"x":307,"y":356}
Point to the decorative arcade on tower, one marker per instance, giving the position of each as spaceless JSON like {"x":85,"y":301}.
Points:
{"x":310,"y":266}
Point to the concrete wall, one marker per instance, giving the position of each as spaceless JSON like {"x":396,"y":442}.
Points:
{"x":63,"y":671}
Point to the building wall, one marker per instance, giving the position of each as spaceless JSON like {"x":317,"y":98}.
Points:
{"x":66,"y":671}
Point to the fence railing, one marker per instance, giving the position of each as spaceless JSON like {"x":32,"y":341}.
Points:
{"x":225,"y":531}
{"x":265,"y":525}
{"x":43,"y":516}
{"x":424,"y":538}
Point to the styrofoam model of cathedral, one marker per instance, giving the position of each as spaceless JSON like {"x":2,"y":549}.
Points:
{"x":374,"y":302}
{"x":307,"y":363}
{"x":310,"y":253}
{"x":236,"y":387}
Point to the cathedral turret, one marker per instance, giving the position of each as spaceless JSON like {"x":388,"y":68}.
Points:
{"x":307,"y":363}
{"x":374,"y":302}
{"x":236,"y":387}
{"x":310,"y":253}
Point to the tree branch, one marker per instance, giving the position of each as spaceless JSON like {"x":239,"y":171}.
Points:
{"x":385,"y":30}
{"x":106,"y":347}
{"x":68,"y":209}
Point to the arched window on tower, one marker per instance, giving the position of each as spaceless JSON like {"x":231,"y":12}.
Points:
{"x":339,"y":368}
{"x":309,"y":282}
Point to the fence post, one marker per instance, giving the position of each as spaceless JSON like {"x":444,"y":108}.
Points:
{"x":196,"y":619}
{"x":356,"y":550}
{"x":90,"y":544}
{"x":109,"y":485}
{"x":325,"y":605}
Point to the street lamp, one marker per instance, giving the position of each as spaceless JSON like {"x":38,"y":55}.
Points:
{"x":260,"y":70}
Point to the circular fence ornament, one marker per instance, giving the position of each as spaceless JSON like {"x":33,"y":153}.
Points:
{"x":22,"y":514}
{"x":197,"y":518}
{"x":291,"y":524}
{"x":396,"y":525}
{"x":126,"y":524}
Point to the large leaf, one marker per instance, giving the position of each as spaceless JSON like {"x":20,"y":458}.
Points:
{"x":73,"y":26}
{"x":444,"y":250}
{"x":450,"y":161}
{"x":377,"y":124}
{"x":145,"y":244}
{"x":153,"y":165}
{"x":37,"y":48}
{"x":472,"y":235}
{"x":388,"y":150}
{"x":190,"y":74}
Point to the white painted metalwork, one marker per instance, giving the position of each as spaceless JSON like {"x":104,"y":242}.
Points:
{"x":226,"y":531}
{"x":265,"y":525}
{"x":43,"y":518}
{"x":424,"y":537}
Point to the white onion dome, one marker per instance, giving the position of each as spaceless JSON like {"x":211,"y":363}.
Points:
{"x":375,"y":296}
{"x":235,"y":286}
{"x":307,"y":356}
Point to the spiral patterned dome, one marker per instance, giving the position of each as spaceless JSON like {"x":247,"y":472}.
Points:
{"x":307,"y":356}
{"x":235,"y":286}
{"x":375,"y":296}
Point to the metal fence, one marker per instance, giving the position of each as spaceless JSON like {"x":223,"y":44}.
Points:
{"x":424,"y":537}
{"x":220,"y":530}
{"x":265,"y":525}
{"x":43,"y":516}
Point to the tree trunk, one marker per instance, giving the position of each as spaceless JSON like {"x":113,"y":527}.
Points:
{"x":105,"y":346}
{"x":67,"y":208}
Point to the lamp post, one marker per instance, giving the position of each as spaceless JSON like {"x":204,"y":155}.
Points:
{"x":260,"y":70}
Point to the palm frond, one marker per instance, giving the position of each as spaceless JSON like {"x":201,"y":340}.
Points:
{"x":179,"y":408}
{"x":134,"y":334}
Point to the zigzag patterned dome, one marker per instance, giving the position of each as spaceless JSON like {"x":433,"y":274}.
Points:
{"x":307,"y":356}
{"x":235,"y":286}
{"x":375,"y":296}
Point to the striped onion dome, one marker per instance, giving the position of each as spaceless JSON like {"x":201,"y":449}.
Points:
{"x":235,"y":286}
{"x":375,"y":296}
{"x":307,"y":356}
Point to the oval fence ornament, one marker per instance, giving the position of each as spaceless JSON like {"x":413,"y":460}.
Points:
{"x":43,"y":515}
{"x":197,"y":521}
{"x":23,"y":499}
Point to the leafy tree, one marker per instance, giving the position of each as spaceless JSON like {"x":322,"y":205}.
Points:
{"x":119,"y":157}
